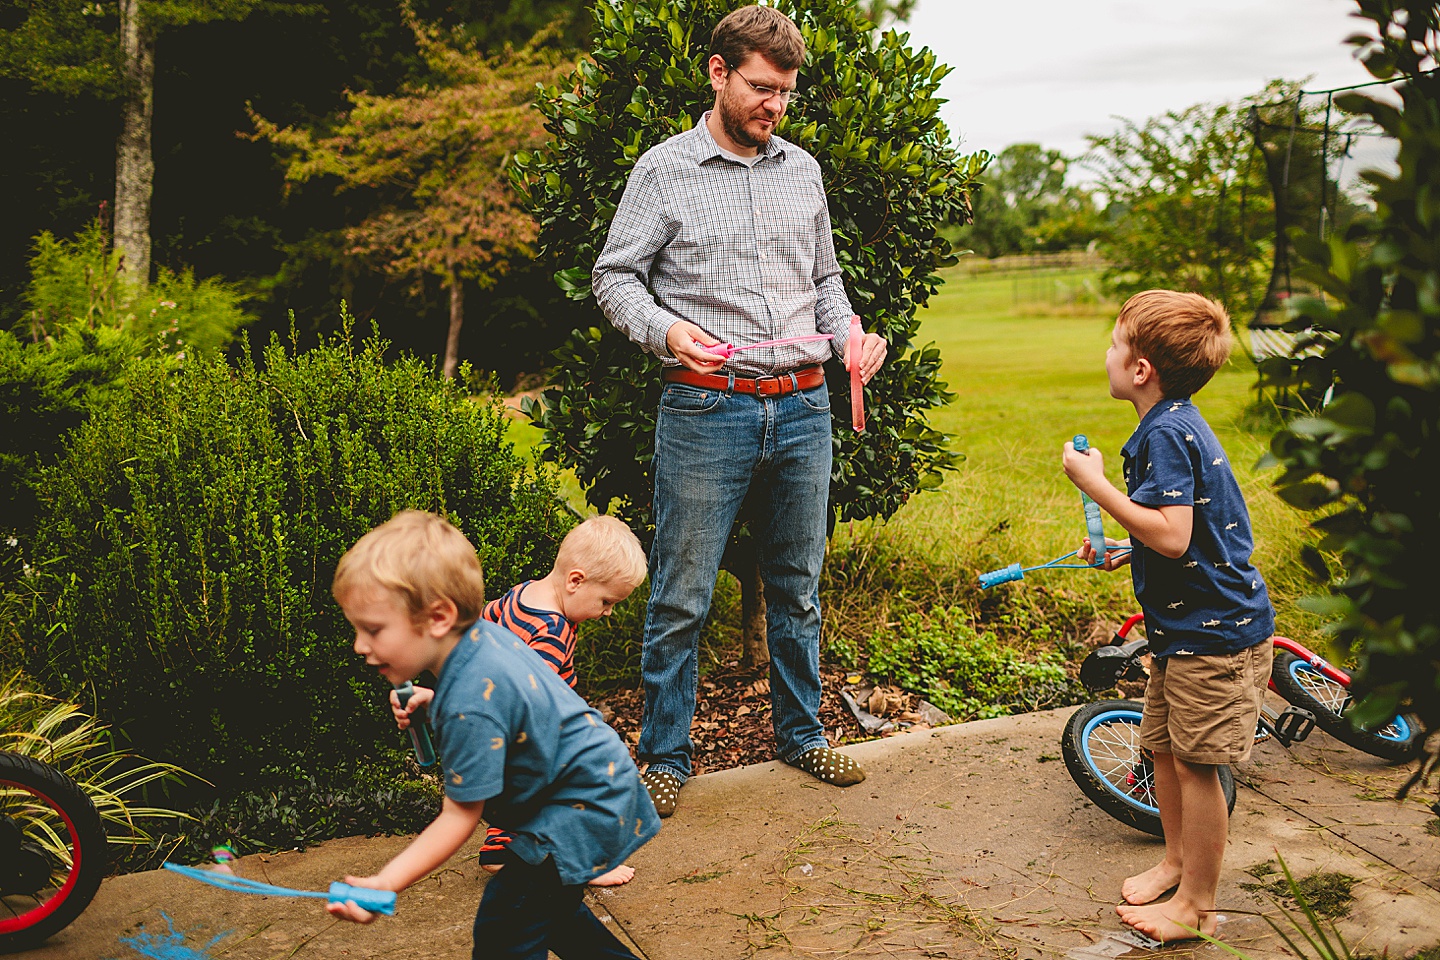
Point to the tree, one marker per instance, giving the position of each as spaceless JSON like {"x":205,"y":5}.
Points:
{"x":1190,"y":207}
{"x":1367,"y":461}
{"x":437,"y":154}
{"x":1024,"y":205}
{"x":893,"y":177}
{"x":108,"y":49}
{"x":882,"y":13}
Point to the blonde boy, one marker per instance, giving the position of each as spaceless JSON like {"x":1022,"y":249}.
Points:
{"x":1207,"y":611}
{"x":518,"y":746}
{"x":600,"y":562}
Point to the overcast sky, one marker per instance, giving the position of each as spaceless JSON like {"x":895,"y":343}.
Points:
{"x":1051,"y":71}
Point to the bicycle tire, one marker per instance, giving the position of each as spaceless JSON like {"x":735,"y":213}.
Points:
{"x":45,"y":886}
{"x":1305,"y":686}
{"x":1101,"y":747}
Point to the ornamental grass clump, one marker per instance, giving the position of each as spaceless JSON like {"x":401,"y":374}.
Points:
{"x":60,"y":734}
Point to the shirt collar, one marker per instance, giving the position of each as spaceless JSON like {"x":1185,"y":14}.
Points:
{"x":708,"y":149}
{"x":1152,"y":417}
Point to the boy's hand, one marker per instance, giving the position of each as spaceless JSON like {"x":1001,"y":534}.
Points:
{"x":1085,"y":470}
{"x":348,"y":910}
{"x":418,"y":699}
{"x":1086,"y":553}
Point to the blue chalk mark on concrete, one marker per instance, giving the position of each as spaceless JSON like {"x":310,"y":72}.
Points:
{"x":172,"y":946}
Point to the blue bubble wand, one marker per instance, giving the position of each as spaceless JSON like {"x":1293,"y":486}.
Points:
{"x":376,"y":901}
{"x":1094,"y":525}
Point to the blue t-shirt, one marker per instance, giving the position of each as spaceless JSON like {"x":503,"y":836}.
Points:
{"x":1211,"y":600}
{"x":550,"y":771}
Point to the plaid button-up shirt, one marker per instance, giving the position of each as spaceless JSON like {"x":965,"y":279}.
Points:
{"x":745,"y":252}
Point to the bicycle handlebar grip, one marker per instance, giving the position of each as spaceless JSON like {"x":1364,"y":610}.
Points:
{"x":1003,"y":575}
{"x":376,"y":901}
{"x":419,"y":736}
{"x":1094,"y":523}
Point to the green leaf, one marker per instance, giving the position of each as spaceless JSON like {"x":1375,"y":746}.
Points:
{"x":1308,"y":496}
{"x":1353,"y":412}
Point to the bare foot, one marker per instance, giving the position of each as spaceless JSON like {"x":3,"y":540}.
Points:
{"x":614,"y":878}
{"x":492,"y":867}
{"x":1170,"y":921}
{"x":1148,"y":886}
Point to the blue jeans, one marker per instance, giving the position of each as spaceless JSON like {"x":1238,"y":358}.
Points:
{"x":712,"y":448}
{"x":526,"y":913}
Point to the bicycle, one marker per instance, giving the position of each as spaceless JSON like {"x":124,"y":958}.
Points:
{"x":52,"y":851}
{"x":1101,"y":742}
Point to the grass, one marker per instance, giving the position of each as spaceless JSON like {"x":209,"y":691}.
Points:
{"x":1328,"y":895}
{"x":1024,"y":353}
{"x":1028,"y":377}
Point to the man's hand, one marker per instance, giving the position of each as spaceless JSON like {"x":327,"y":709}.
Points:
{"x":1085,"y":470}
{"x":348,"y":910}
{"x":687,"y":344}
{"x":872,"y":354}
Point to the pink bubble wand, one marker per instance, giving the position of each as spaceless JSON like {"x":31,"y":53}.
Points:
{"x":728,"y":350}
{"x":857,"y":387}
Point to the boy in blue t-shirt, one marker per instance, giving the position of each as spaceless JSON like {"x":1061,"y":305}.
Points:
{"x":1207,"y":612}
{"x":518,"y":746}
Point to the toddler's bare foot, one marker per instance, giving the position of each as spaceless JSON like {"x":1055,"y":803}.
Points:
{"x":1170,"y":921}
{"x":614,"y":878}
{"x":1148,"y":886}
{"x":492,"y":867}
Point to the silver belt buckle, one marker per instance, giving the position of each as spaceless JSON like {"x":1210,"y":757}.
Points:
{"x":773,"y":378}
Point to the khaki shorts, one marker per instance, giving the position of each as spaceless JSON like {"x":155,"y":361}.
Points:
{"x":1203,"y":709}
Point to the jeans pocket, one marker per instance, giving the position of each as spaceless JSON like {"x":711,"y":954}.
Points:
{"x":685,"y":399}
{"x":816,"y":398}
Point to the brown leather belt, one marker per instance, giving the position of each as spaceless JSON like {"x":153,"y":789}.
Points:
{"x":775,"y":385}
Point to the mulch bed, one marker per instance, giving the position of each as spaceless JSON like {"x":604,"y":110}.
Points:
{"x":732,"y":717}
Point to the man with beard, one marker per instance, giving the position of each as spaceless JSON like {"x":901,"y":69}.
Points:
{"x":723,"y":238}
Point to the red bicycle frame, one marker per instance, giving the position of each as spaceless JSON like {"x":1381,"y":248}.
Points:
{"x":1284,"y":643}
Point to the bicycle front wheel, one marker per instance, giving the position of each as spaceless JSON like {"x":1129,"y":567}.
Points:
{"x":1101,"y":747}
{"x":1305,"y":686}
{"x":52,"y":851}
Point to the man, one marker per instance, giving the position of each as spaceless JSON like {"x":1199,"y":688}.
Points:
{"x":723,"y":234}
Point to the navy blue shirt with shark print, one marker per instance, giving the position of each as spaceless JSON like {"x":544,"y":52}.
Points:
{"x":1211,"y":600}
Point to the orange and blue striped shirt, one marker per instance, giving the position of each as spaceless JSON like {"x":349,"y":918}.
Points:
{"x":546,"y":631}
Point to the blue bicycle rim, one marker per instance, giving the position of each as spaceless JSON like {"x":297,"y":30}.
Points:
{"x":1398,"y":729}
{"x":1125,"y":716}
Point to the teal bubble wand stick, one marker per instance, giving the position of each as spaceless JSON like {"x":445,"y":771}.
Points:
{"x":1094,"y":525}
{"x":419,"y":736}
{"x":1093,"y":522}
{"x":376,"y":901}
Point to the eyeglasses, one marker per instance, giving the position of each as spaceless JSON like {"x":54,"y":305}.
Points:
{"x":787,"y":97}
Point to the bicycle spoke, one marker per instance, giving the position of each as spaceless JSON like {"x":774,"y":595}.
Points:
{"x":1115,"y":750}
{"x":1331,"y":695}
